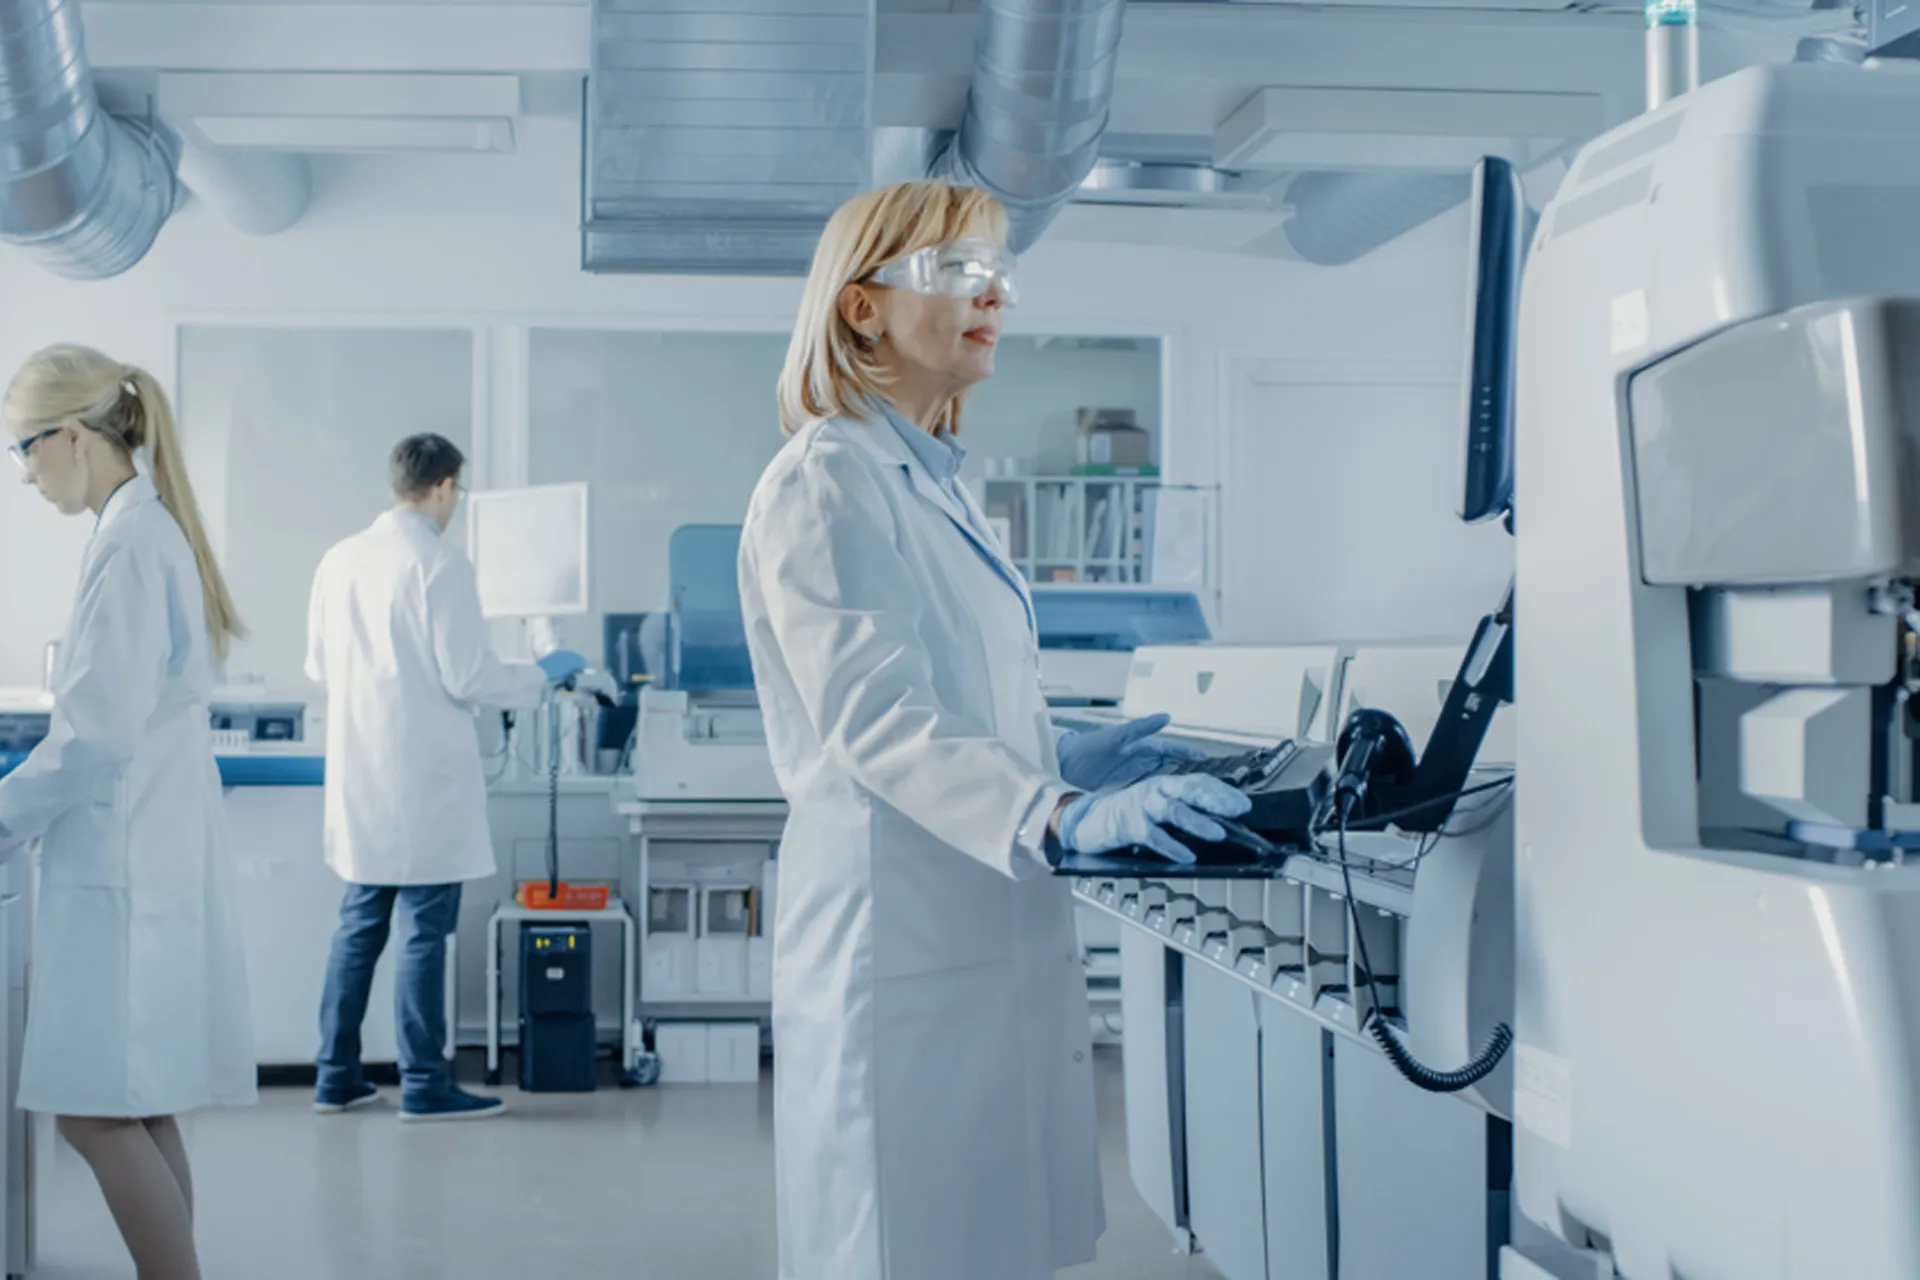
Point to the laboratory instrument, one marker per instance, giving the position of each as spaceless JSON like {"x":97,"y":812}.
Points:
{"x":706,"y":816}
{"x":1718,"y":1009}
{"x":1268,"y":1132}
{"x":1088,"y":635}
{"x":240,"y":724}
{"x":558,"y":1038}
{"x":700,"y":735}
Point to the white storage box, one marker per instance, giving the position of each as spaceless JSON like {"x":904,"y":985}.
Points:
{"x":733,"y":1052}
{"x":682,"y":1047}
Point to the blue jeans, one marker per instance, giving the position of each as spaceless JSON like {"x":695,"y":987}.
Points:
{"x":429,"y":914}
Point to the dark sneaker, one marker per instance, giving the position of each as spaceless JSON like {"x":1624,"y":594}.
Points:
{"x":453,"y":1104}
{"x":331,"y":1102}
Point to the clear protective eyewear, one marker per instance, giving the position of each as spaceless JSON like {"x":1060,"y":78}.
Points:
{"x":22,"y":453}
{"x":962,"y":269}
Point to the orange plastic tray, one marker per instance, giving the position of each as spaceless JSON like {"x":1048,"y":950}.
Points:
{"x":533,"y":895}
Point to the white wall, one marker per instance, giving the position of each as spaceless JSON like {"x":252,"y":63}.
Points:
{"x":492,"y":241}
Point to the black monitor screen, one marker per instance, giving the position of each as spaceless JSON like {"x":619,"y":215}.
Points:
{"x":1498,"y":219}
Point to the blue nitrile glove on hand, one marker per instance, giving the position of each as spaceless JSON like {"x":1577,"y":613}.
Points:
{"x":562,"y":665}
{"x":1136,"y":815}
{"x":1119,"y":754}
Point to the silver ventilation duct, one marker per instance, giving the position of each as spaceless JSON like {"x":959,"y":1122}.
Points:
{"x":1042,"y":87}
{"x":257,"y":193}
{"x":719,"y":141}
{"x":1341,"y":217}
{"x":81,"y":190}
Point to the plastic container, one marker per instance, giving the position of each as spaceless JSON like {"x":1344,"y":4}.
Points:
{"x":533,"y":895}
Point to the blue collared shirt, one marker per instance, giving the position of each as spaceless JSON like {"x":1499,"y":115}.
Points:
{"x":940,"y":454}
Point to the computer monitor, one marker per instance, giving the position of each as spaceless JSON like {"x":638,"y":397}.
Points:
{"x":1499,"y":220}
{"x":530,"y":550}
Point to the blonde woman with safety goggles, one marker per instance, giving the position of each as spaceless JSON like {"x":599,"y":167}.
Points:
{"x":139,"y":1006}
{"x":934,"y":1113}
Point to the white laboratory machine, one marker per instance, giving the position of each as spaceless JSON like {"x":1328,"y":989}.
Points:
{"x":1263,"y":1129}
{"x":700,"y":736}
{"x":1088,"y":634}
{"x":25,"y":717}
{"x":706,"y":816}
{"x":1718,"y":487}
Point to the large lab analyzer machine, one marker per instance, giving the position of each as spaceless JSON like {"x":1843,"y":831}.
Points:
{"x":1717,"y":1066}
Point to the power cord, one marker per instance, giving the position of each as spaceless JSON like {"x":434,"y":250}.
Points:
{"x":1411,"y":1068}
{"x":553,"y":796}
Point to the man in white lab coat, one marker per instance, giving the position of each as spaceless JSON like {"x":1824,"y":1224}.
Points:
{"x":396,"y":635}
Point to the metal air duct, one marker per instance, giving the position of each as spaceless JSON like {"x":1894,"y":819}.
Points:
{"x":720,"y":137}
{"x":81,"y":190}
{"x":1341,"y":217}
{"x":257,"y":193}
{"x":1042,"y":87}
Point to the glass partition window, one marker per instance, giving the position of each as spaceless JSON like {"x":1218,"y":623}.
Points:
{"x":1029,"y":412}
{"x":668,"y":428}
{"x":287,"y":434}
{"x":672,"y":429}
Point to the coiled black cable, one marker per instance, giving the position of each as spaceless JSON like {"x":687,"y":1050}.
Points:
{"x":1411,"y":1069}
{"x":1420,"y":1075}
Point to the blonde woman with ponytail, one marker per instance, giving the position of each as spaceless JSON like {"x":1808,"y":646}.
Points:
{"x":139,"y":1004}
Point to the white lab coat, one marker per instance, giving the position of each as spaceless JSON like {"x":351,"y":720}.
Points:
{"x":139,"y":1002}
{"x":395,"y":633}
{"x":933,"y":1093}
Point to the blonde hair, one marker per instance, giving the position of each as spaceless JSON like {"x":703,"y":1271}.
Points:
{"x":125,"y":405}
{"x":830,"y":369}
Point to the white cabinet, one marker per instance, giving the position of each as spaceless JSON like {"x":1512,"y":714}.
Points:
{"x":289,"y":907}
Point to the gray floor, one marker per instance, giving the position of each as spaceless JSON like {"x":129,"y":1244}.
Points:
{"x":666,"y":1183}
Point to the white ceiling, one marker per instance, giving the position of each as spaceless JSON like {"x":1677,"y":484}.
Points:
{"x":1184,"y":66}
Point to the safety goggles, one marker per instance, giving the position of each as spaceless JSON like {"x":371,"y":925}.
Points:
{"x":22,"y":453}
{"x":960,"y":269}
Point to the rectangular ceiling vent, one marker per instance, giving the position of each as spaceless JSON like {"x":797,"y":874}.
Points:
{"x":721,"y":134}
{"x":331,"y":111}
{"x":1419,"y":130}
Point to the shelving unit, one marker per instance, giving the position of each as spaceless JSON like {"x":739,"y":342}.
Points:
{"x":1077,"y":528}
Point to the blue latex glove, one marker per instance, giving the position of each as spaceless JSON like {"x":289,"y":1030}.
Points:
{"x":562,"y":665}
{"x":1139,"y":815}
{"x":1118,"y":754}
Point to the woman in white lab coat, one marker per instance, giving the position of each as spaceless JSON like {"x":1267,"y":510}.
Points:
{"x":934,"y":1112}
{"x":139,"y":1004}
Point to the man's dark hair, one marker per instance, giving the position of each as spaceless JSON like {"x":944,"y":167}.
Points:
{"x":423,"y":462}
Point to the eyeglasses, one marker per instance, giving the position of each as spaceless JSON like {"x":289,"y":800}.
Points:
{"x":22,"y":453}
{"x":961,"y":269}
